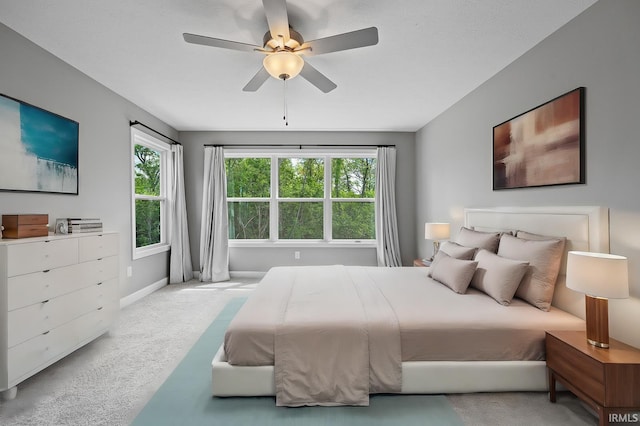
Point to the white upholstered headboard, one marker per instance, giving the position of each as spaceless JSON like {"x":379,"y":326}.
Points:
{"x":585,"y":227}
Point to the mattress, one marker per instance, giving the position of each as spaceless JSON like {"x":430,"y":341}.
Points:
{"x":435,"y":323}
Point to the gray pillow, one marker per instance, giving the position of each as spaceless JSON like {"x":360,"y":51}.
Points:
{"x":454,"y":273}
{"x":544,"y":257}
{"x":481,"y":240}
{"x":458,"y":251}
{"x":498,"y":276}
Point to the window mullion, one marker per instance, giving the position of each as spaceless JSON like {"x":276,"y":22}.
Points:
{"x":273,"y":203}
{"x":328,"y":213}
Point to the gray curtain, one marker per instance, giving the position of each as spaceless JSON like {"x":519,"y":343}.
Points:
{"x":180,"y":267}
{"x":388,"y":245}
{"x":214,"y":233}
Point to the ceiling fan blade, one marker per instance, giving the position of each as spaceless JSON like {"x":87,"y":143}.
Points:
{"x":345,"y":41}
{"x":218,"y":42}
{"x":316,"y":78}
{"x":276,"y":11}
{"x":257,"y":81}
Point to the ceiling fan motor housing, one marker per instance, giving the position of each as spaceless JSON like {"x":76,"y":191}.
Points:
{"x":294,"y":42}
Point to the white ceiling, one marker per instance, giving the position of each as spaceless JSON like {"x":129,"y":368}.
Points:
{"x":431,"y":54}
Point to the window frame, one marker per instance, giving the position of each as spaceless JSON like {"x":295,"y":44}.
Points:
{"x":144,"y":139}
{"x":327,"y":199}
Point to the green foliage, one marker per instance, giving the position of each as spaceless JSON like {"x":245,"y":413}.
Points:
{"x":300,"y":221}
{"x":353,"y":177}
{"x":147,"y":168}
{"x":147,"y":222}
{"x":353,"y":221}
{"x":301,"y":178}
{"x":147,"y":182}
{"x":248,"y":177}
{"x":248,"y":220}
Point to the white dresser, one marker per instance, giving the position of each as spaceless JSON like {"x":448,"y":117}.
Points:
{"x":57,"y":294}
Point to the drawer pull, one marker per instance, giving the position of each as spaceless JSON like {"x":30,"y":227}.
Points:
{"x":46,"y":270}
{"x":46,"y":332}
{"x":100,"y":308}
{"x":45,"y":301}
{"x":99,"y":283}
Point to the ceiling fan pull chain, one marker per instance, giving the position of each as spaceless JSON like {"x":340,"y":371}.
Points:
{"x":286,"y":123}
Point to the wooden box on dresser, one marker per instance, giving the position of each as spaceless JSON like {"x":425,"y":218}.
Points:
{"x":57,"y":293}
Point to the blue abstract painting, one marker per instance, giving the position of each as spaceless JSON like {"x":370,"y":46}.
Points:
{"x":38,"y":149}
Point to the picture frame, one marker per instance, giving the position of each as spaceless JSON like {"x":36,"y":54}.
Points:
{"x":39,"y":149}
{"x":543,"y":146}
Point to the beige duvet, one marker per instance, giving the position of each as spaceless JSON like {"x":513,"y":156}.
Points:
{"x":336,"y":334}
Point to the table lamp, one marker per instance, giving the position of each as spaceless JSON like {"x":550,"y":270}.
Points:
{"x":436,"y":232}
{"x":600,"y":277}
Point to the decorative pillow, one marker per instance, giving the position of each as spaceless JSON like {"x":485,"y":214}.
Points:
{"x":481,"y":240}
{"x":454,"y":273}
{"x":439,"y":255}
{"x":497,"y":276}
{"x":458,"y":251}
{"x":544,"y":257}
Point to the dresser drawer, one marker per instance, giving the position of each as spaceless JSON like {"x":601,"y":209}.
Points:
{"x":95,"y":322}
{"x":98,"y":246}
{"x":36,"y":353}
{"x":40,"y":256}
{"x":582,"y":371}
{"x":25,"y":290}
{"x":28,"y":322}
{"x":107,"y":292}
{"x":100,"y":270}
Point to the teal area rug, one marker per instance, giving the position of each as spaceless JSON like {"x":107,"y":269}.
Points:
{"x":185,"y":398}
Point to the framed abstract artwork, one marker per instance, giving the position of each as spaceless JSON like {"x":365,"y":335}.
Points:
{"x":38,"y":149}
{"x":543,"y":146}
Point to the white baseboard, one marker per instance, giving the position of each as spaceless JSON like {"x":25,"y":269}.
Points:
{"x":247,"y":274}
{"x":133,"y":297}
{"x":236,"y":274}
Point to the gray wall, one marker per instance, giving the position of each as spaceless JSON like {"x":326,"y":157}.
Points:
{"x":598,"y":50}
{"x":261,"y":259}
{"x":33,"y":75}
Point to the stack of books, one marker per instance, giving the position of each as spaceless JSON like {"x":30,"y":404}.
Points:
{"x":77,"y":226}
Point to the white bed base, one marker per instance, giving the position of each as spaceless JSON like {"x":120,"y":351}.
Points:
{"x":586,"y":228}
{"x":418,"y":377}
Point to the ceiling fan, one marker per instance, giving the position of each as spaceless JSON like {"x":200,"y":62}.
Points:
{"x":283,"y":48}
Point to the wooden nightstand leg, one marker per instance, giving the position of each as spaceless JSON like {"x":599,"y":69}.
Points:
{"x":552,"y":386}
{"x":603,"y":416}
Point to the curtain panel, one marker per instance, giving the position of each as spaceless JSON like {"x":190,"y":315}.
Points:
{"x":180,"y":266}
{"x":214,"y":233}
{"x":386,"y":219}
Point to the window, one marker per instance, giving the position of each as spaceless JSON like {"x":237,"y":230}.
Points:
{"x":150,"y":170}
{"x":297,"y":197}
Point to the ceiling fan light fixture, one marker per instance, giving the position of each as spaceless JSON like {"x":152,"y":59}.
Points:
{"x":283,"y":65}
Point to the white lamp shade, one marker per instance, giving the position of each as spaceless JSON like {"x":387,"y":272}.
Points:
{"x":598,"y":274}
{"x":436,"y":231}
{"x":283,"y":63}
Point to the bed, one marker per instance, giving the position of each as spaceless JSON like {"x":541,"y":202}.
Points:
{"x":437,"y":346}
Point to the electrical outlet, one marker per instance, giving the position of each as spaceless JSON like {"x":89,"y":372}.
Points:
{"x":296,"y":255}
{"x":129,"y":271}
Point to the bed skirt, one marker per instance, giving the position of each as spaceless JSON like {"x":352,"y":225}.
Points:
{"x":418,"y":377}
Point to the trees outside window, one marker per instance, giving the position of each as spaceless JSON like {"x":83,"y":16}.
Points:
{"x":284,"y":197}
{"x":149,"y":161}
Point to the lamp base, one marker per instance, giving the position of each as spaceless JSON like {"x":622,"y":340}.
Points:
{"x":597,"y":314}
{"x":436,"y":247}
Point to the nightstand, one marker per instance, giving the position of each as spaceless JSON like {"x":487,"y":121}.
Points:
{"x":421,"y":262}
{"x":608,"y":380}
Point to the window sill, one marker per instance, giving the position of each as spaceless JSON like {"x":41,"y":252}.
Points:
{"x":308,"y":244}
{"x":139,"y":253}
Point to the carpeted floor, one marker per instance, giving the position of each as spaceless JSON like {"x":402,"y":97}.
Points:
{"x":109,"y":381}
{"x":185,"y":398}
